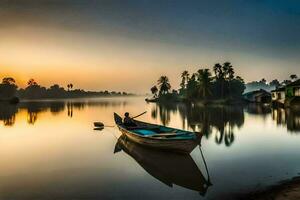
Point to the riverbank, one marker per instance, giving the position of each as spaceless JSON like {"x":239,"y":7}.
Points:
{"x":198,"y":102}
{"x":285,"y":190}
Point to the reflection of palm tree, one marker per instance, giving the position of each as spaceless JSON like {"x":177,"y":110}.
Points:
{"x":70,"y":109}
{"x":164,"y":84}
{"x":32,"y":117}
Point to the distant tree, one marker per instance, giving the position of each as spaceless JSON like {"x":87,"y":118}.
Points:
{"x":31,"y":82}
{"x":293,"y":77}
{"x":55,"y":91}
{"x":70,"y":86}
{"x":228,"y":71}
{"x":164,"y":85}
{"x":8,"y":88}
{"x":204,"y":83}
{"x":154,"y":90}
{"x":184,"y":79}
{"x":218,"y":71}
{"x":275,"y":83}
{"x":219,"y":79}
{"x":8,"y":81}
{"x":263,"y":81}
{"x":286,"y":82}
{"x":191,"y":90}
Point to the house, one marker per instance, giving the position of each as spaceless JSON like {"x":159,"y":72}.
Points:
{"x":278,"y":95}
{"x":258,"y":96}
{"x":293,"y":89}
{"x":288,"y":95}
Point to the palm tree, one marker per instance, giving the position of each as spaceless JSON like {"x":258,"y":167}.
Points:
{"x":219,"y":74}
{"x":154,"y":90}
{"x":228,"y":74}
{"x":228,"y":71}
{"x":293,"y":76}
{"x":70,"y":86}
{"x":185,"y":78}
{"x":204,"y":82}
{"x":164,"y":85}
{"x":31,"y":82}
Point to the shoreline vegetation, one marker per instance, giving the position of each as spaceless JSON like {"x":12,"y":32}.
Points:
{"x":202,"y":87}
{"x":9,"y":92}
{"x":217,"y":86}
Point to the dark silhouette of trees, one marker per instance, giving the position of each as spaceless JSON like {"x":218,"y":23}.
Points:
{"x":274,"y":83}
{"x":286,"y":82}
{"x":164,"y":85}
{"x":9,"y":92}
{"x":70,"y":86}
{"x":31,"y":82}
{"x":154,"y":90}
{"x":293,"y":77}
{"x":191,"y":88}
{"x":8,"y":88}
{"x":204,"y":83}
{"x":203,"y":86}
{"x":184,"y":79}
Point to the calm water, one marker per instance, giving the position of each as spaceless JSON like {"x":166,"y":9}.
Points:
{"x":49,"y":150}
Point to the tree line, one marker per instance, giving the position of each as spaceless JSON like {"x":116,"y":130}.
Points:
{"x":9,"y":90}
{"x":271,"y":85}
{"x":220,"y":83}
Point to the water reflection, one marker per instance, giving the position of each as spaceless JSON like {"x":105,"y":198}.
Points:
{"x":169,"y":168}
{"x":220,"y":119}
{"x":223,"y":119}
{"x":259,"y":109}
{"x":8,"y":112}
{"x":204,"y":119}
{"x":287,"y":117}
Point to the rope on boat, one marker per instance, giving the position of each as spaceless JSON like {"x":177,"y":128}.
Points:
{"x":206,"y":168}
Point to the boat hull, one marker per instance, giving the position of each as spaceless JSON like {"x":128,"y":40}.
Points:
{"x":185,"y":146}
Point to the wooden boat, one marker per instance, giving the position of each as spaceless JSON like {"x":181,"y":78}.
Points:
{"x":167,"y":167}
{"x":160,"y":137}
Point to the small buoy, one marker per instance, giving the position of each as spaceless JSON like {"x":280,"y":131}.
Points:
{"x":98,"y":124}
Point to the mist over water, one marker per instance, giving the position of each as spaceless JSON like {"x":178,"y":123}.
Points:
{"x":49,"y":150}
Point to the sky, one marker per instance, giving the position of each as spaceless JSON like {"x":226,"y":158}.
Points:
{"x":125,"y":45}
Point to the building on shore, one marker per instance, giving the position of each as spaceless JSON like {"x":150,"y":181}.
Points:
{"x":258,"y":96}
{"x":288,"y":95}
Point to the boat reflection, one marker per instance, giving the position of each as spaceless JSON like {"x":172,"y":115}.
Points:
{"x":167,"y":167}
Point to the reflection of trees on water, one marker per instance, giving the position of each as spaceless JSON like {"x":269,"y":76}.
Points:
{"x":289,"y":117}
{"x":8,"y":114}
{"x":258,"y":109}
{"x":34,"y":108}
{"x":204,"y":119}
